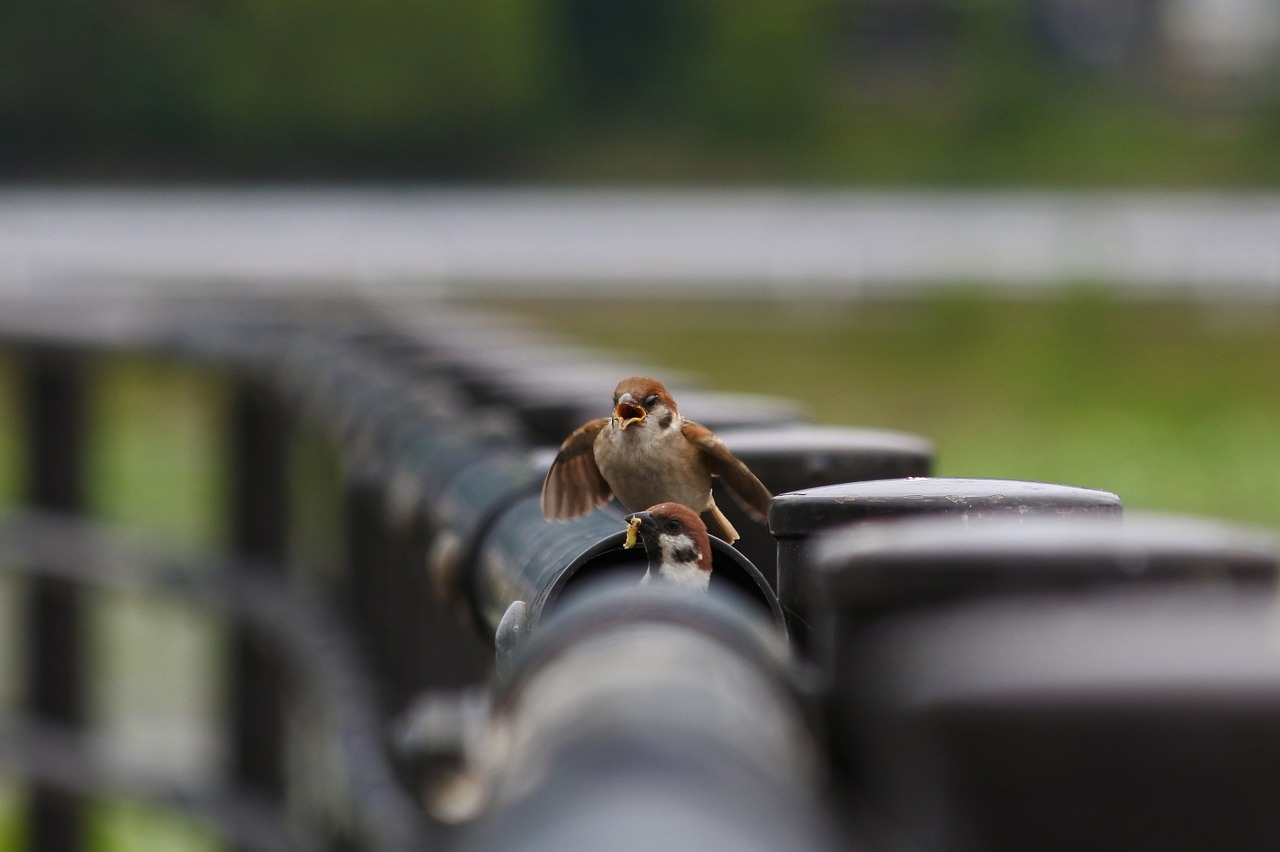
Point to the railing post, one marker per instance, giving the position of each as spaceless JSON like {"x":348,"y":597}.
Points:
{"x":55,"y":413}
{"x":797,"y":517}
{"x":369,"y":585}
{"x":258,"y":513}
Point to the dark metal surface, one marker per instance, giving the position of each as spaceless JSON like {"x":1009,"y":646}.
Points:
{"x":789,"y":458}
{"x":866,"y":574}
{"x":861,"y":573}
{"x":55,"y":440}
{"x":526,"y":558}
{"x":795,"y":517}
{"x":464,"y":510}
{"x":1110,"y":719}
{"x":374,"y":608}
{"x":879,"y":566}
{"x":616,"y":736}
{"x":801,"y":513}
{"x":259,"y":532}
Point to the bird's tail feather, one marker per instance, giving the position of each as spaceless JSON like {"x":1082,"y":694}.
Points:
{"x":718,"y":525}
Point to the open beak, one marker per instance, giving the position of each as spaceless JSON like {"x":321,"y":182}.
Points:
{"x":628,"y":411}
{"x":634,"y":522}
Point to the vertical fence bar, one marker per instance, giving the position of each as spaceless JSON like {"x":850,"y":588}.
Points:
{"x":54,"y":410}
{"x":368,"y":584}
{"x":258,"y":512}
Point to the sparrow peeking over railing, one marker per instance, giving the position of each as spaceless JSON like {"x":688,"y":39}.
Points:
{"x":676,"y":542}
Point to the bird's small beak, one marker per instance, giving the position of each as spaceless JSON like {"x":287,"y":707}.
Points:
{"x":628,"y":411}
{"x":634,"y":522}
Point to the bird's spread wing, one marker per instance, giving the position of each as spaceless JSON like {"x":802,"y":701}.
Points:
{"x":574,"y":485}
{"x":748,"y":491}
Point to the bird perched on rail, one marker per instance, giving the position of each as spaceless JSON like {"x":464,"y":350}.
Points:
{"x":644,"y":454}
{"x":676,"y":542}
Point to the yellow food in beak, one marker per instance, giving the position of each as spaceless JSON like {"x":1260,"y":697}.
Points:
{"x":628,"y":413}
{"x":633,"y":528}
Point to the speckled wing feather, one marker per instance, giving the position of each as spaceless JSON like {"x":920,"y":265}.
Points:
{"x":747,"y":490}
{"x":574,"y":485}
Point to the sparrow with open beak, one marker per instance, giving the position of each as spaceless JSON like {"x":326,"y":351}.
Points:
{"x":676,"y":542}
{"x":646,"y":454}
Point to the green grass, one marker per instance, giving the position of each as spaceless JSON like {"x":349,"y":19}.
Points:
{"x":1173,"y":406}
{"x":115,"y":826}
{"x":156,"y":447}
{"x":124,"y":826}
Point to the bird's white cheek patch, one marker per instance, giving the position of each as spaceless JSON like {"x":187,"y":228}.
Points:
{"x":678,"y":549}
{"x":681,"y":563}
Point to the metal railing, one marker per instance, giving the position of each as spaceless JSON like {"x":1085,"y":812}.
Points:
{"x":868,"y":673}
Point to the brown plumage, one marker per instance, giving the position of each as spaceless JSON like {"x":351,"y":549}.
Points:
{"x":644,"y":454}
{"x":675,"y":540}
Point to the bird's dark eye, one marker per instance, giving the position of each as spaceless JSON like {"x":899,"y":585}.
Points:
{"x":673,"y":524}
{"x":650,"y":400}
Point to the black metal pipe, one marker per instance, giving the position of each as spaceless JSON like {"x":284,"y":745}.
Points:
{"x":795,"y":517}
{"x":55,"y":410}
{"x":371,"y":601}
{"x":259,"y":531}
{"x":412,"y":636}
{"x":789,"y":458}
{"x":524,"y":557}
{"x":1138,"y":718}
{"x":464,"y":509}
{"x":411,"y":512}
{"x":867,"y":573}
{"x":614,"y":733}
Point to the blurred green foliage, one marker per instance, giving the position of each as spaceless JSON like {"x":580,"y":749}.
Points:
{"x":269,"y":86}
{"x":948,"y":91}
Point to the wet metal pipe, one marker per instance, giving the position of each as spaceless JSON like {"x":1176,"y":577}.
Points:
{"x":652,"y":718}
{"x":258,"y":512}
{"x":55,"y":410}
{"x":868,"y":573}
{"x":395,"y":518}
{"x":463,"y":510}
{"x":789,"y":458}
{"x":797,"y":516}
{"x":524,"y":557}
{"x":1135,"y":718}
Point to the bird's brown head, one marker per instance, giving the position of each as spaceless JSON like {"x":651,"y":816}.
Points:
{"x":638,"y":398}
{"x":675,"y":539}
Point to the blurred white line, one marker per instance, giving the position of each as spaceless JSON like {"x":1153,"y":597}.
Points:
{"x":533,"y":241}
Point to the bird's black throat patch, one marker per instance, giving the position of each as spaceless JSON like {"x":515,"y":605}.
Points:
{"x":684,"y":553}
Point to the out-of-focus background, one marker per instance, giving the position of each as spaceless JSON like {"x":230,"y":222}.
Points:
{"x":1081,"y":93}
{"x":1045,"y":235}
